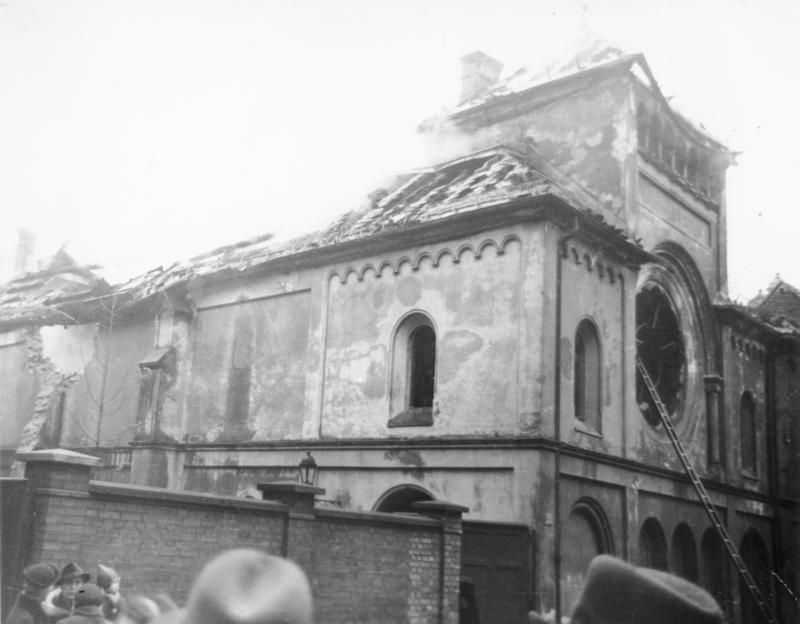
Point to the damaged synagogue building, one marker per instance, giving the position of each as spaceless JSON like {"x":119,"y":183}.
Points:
{"x":470,"y":334}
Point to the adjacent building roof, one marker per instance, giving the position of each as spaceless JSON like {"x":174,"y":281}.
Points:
{"x":780,"y":302}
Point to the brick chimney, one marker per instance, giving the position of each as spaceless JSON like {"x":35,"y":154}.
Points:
{"x":26,"y":246}
{"x":479,"y":71}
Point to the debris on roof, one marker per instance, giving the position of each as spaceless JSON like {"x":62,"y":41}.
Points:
{"x":36,"y":297}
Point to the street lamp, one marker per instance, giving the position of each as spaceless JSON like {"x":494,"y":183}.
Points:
{"x":308,"y":469}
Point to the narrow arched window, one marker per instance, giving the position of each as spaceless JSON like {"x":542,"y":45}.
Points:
{"x":587,"y":375}
{"x":413,"y":372}
{"x":747,"y":424}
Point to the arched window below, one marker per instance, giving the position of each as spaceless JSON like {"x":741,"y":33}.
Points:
{"x":747,"y":437}
{"x":756,"y":559}
{"x":714,"y":569}
{"x":652,"y":545}
{"x":400,"y":498}
{"x":413,"y":372}
{"x":585,"y":536}
{"x":684,"y":553}
{"x":587,"y":375}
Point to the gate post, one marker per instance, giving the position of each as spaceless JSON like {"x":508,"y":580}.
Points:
{"x":450,"y":515}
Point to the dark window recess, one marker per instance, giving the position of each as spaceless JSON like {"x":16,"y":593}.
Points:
{"x":660,"y":347}
{"x":422,"y":352}
{"x":587,"y":375}
{"x":747,"y":424}
{"x":684,"y":553}
{"x":652,"y":546}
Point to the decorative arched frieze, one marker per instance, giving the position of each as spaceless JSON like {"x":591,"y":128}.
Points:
{"x":435,"y":258}
{"x":748,"y":348}
{"x":596,"y":263}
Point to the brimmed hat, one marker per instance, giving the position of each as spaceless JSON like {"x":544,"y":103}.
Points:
{"x":40,"y":574}
{"x":619,"y":593}
{"x":90,"y":595}
{"x":244,"y":586}
{"x":106,"y":576}
{"x":73,"y":570}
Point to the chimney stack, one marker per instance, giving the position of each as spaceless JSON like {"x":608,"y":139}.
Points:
{"x":26,"y":244}
{"x":479,"y":71}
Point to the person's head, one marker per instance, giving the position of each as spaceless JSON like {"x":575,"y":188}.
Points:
{"x":38,"y":580}
{"x":71,"y":578}
{"x":107,"y":579}
{"x":138,"y":610}
{"x":616,"y":592}
{"x":88,"y":595}
{"x":244,"y":586}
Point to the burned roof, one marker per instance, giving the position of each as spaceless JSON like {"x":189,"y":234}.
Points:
{"x":490,"y":178}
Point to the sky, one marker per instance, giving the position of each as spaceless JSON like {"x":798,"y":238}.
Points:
{"x":142,"y":132}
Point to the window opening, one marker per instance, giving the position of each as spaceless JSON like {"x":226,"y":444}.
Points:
{"x":587,"y":375}
{"x":422,"y":349}
{"x":747,"y":424}
{"x":660,"y":346}
{"x":684,"y":553}
{"x":652,"y":546}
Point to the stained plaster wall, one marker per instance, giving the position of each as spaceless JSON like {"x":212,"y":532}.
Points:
{"x":585,"y":129}
{"x":596,"y":289}
{"x":666,"y":212}
{"x":499,"y":483}
{"x":745,"y":371}
{"x":268,"y":335}
{"x":20,"y":388}
{"x":93,"y":354}
{"x":486,"y":319}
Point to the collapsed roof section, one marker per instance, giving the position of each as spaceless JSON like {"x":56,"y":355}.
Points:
{"x":484,"y":180}
{"x":39,"y":297}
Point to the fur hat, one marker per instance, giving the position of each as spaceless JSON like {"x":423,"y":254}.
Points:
{"x":73,"y":570}
{"x":106,"y":576}
{"x":619,"y":593}
{"x":89,"y":595}
{"x":40,"y":574}
{"x":244,"y":586}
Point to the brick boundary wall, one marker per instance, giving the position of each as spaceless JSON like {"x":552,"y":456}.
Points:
{"x":363,"y":566}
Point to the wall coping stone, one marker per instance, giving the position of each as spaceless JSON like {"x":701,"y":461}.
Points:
{"x":157,"y":495}
{"x":289,"y":486}
{"x":378,"y":517}
{"x":439,"y":506}
{"x":60,"y":456}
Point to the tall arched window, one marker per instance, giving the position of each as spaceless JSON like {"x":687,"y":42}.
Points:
{"x":747,"y":437}
{"x":587,"y":374}
{"x":413,"y":372}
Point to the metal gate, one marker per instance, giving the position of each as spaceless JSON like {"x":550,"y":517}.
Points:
{"x":496,"y":558}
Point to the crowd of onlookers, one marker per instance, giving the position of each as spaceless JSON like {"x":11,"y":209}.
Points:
{"x":237,"y":586}
{"x":244,"y":586}
{"x":68,"y":596}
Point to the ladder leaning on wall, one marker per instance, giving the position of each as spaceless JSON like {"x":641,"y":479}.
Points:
{"x":763,"y":605}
